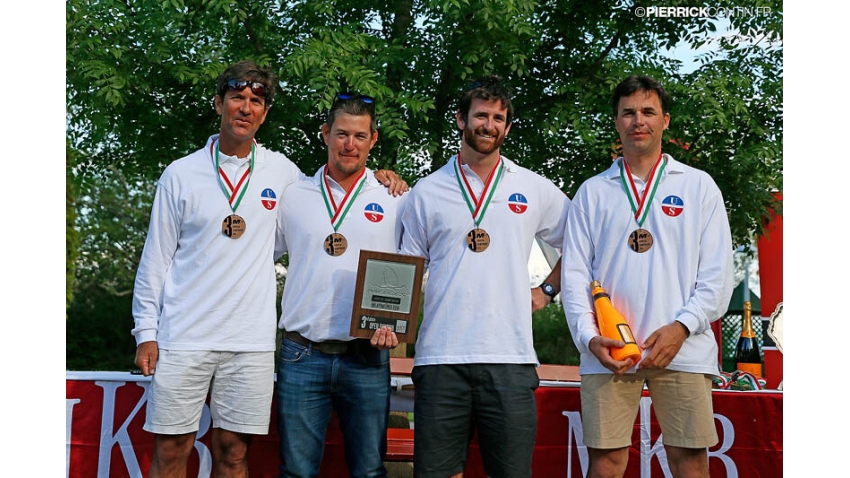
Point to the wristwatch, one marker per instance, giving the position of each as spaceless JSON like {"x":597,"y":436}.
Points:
{"x":548,"y":289}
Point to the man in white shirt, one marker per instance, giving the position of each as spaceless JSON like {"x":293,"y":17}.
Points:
{"x":655,"y":234}
{"x":324,"y":222}
{"x":475,"y":220}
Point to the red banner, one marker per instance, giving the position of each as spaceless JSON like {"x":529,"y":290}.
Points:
{"x":105,"y":413}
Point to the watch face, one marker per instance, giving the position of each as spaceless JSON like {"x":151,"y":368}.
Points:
{"x":548,"y":289}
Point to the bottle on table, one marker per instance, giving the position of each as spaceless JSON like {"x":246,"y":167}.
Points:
{"x":613,"y":325}
{"x":747,"y":353}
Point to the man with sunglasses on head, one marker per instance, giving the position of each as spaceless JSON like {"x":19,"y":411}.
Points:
{"x":475,"y":220}
{"x":204,"y":297}
{"x":324,"y":222}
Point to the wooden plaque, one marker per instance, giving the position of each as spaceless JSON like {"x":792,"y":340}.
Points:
{"x":387,"y":293}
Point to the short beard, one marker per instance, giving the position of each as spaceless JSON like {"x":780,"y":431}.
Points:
{"x":473,"y":142}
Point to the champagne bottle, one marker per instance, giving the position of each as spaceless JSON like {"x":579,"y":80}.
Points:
{"x":747,"y":355}
{"x":613,"y":325}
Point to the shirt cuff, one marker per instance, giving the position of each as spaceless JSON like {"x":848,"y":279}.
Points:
{"x":147,"y":335}
{"x":690,"y":322}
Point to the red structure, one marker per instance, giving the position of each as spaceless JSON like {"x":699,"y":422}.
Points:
{"x":105,"y":412}
{"x":770,"y":275}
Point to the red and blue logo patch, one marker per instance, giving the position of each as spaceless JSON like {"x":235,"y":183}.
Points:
{"x":517,"y":203}
{"x":268,"y":198}
{"x":374,"y":212}
{"x":672,"y":206}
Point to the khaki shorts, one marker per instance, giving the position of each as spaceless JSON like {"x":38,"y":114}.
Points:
{"x":681,"y":401}
{"x":240,"y":399}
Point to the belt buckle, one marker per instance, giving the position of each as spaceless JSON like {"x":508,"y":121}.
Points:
{"x":334,"y":348}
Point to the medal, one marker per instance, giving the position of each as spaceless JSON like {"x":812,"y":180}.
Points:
{"x":640,"y":240}
{"x":336,"y":244}
{"x":233,"y":226}
{"x":478,"y":240}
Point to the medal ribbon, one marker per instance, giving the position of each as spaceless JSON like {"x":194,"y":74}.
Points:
{"x":640,"y":204}
{"x":230,"y":192}
{"x":480,"y":204}
{"x":338,"y":212}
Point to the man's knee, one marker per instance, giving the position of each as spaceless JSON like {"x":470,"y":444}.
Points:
{"x":170,"y":454}
{"x":230,"y":449}
{"x":687,"y":462}
{"x":607,"y":463}
{"x":170,"y":447}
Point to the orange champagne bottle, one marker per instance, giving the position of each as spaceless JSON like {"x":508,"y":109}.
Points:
{"x":747,"y":353}
{"x":613,"y":325}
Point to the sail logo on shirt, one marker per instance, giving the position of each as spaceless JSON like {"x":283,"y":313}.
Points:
{"x":672,"y":206}
{"x":374,"y":212}
{"x":268,"y":198}
{"x":517,"y":203}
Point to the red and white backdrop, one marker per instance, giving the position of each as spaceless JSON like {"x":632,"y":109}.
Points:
{"x":105,"y":413}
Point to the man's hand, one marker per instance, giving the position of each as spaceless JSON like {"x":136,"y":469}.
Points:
{"x":665,"y":344}
{"x":395,"y":185}
{"x":601,"y":348}
{"x":384,"y":339}
{"x":147,"y":353}
{"x":539,"y":300}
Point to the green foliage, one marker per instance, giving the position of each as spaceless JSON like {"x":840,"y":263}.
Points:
{"x":72,"y":237}
{"x":113,"y":221}
{"x":111,"y":227}
{"x":140,"y":80}
{"x":140,"y":83}
{"x":552,"y":339}
{"x":97,"y":332}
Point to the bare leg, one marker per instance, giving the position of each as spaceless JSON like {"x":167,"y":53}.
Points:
{"x":230,"y":453}
{"x":687,"y":462}
{"x":170,"y":455}
{"x":607,"y":463}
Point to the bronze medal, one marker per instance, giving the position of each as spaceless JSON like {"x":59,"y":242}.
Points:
{"x":478,"y":240}
{"x":336,"y":244}
{"x":640,"y":240}
{"x":233,"y":226}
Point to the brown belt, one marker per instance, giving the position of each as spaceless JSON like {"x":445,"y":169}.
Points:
{"x":330,"y":347}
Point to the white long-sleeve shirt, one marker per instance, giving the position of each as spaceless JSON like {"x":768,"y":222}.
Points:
{"x":196,"y":288}
{"x":687,"y":274}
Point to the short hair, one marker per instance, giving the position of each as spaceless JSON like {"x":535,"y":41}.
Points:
{"x":355,"y":105}
{"x":635,"y":83}
{"x":249,"y":71}
{"x":487,"y":88}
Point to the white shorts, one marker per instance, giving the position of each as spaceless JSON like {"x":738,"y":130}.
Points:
{"x":240,"y":399}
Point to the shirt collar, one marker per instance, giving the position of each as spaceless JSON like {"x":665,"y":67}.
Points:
{"x":223,"y":159}
{"x":335,"y":187}
{"x":510,"y":166}
{"x":673,"y":167}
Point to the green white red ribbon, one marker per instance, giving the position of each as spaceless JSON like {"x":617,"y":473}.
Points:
{"x":478,"y":206}
{"x":640,"y":203}
{"x":336,"y":212}
{"x":231,"y":192}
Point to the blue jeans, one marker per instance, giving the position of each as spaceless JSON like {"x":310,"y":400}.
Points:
{"x":310,"y":384}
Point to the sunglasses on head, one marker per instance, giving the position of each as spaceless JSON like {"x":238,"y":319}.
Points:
{"x":257,"y":88}
{"x":348,"y":95}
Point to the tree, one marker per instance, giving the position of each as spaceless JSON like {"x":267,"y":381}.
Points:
{"x":72,"y":236}
{"x":140,"y":81}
